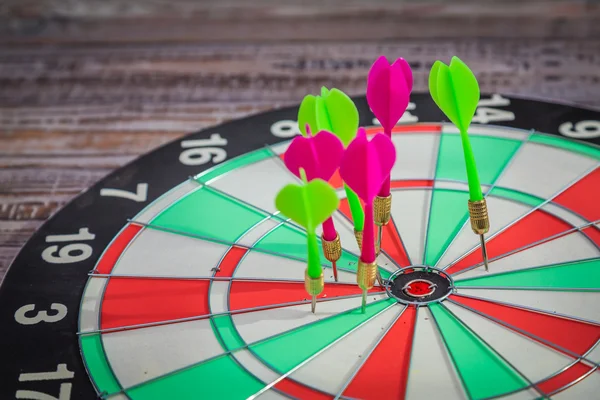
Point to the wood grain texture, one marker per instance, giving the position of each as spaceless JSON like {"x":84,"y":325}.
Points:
{"x":118,"y":21}
{"x":70,"y":114}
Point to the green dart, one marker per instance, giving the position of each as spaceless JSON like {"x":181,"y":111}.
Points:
{"x":455,"y":90}
{"x":335,"y":112}
{"x":309,"y":204}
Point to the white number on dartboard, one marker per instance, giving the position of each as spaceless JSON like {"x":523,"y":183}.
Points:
{"x":140,"y":195}
{"x":588,"y":129}
{"x":285,"y":128}
{"x":407,"y":117}
{"x":69,"y":253}
{"x":486,"y":112}
{"x":201,"y":151}
{"x":59,"y":311}
{"x":62,"y":373}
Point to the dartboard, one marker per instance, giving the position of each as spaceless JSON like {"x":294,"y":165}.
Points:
{"x":176,"y":278}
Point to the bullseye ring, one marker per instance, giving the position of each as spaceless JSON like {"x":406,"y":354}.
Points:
{"x":420,"y":285}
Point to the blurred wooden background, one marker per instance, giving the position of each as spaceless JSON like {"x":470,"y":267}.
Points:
{"x":87,"y":86}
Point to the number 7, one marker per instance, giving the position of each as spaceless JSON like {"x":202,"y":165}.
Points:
{"x":141,"y":193}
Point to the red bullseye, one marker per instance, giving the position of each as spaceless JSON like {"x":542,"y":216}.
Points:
{"x":420,"y":288}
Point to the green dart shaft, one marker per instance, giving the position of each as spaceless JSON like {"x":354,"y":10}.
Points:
{"x":358,"y":215}
{"x":314,"y":260}
{"x":475,"y":193}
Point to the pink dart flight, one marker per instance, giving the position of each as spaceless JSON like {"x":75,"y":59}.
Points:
{"x":388,"y":92}
{"x":365,"y":166}
{"x":320,"y":156}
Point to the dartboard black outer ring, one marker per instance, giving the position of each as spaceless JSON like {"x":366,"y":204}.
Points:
{"x":31,"y":280}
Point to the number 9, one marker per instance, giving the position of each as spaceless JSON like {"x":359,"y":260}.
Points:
{"x":587,"y":129}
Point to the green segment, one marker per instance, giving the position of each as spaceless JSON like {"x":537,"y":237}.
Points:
{"x":238,"y":162}
{"x":230,"y":339}
{"x":289,"y":240}
{"x":207,"y":213}
{"x":220,"y":378}
{"x":287,"y":350}
{"x":448,"y":212}
{"x":566,"y":144}
{"x":449,"y":209}
{"x":492,"y":156}
{"x":483,"y":373}
{"x":97,"y":366}
{"x":578,"y":275}
{"x":517,"y":196}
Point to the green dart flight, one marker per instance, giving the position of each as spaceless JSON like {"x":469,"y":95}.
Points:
{"x":455,"y":90}
{"x":309,"y":204}
{"x":335,"y":112}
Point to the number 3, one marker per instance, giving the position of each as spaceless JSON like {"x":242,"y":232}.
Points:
{"x":41,"y":316}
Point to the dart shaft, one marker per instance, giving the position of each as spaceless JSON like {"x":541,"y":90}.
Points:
{"x":329,"y":232}
{"x":314,"y":263}
{"x":475,"y":193}
{"x":385,"y":188}
{"x":368,"y":245}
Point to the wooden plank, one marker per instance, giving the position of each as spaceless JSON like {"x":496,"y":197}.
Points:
{"x":118,"y":21}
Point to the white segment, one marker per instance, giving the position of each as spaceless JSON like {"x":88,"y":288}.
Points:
{"x":154,"y":252}
{"x":531,"y":358}
{"x":571,"y":247}
{"x":272,"y":394}
{"x":118,"y":396}
{"x":410,"y":210}
{"x":416,"y":155}
{"x":527,"y":394}
{"x":261,"y":324}
{"x":252,"y":236}
{"x":431,"y":370}
{"x":582,"y":305}
{"x":218,"y":296}
{"x":594,"y":355}
{"x":261,"y":265}
{"x":564,"y":214}
{"x":494,"y":131}
{"x":254,"y":366}
{"x":502,"y":213}
{"x":139,"y":355}
{"x":280,"y":148}
{"x":148,"y":213}
{"x":462,"y":186}
{"x":257,"y":183}
{"x":90,"y":304}
{"x":343,"y":358}
{"x":587,"y":388}
{"x":386,"y":263}
{"x":543,"y":170}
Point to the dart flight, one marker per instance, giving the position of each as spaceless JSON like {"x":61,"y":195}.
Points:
{"x":309,"y":205}
{"x":335,"y":112}
{"x":319,"y":156}
{"x":365,"y":166}
{"x":388,"y":92}
{"x":455,"y":90}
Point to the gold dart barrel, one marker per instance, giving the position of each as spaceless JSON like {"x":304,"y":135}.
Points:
{"x":358,"y":235}
{"x":332,"y":249}
{"x":382,"y":210}
{"x":366,"y":275}
{"x":478,"y":212}
{"x":314,"y":286}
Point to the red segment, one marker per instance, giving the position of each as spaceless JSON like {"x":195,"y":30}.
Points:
{"x":299,"y":391}
{"x":569,"y":375}
{"x":132,"y":301}
{"x":392,"y":244}
{"x":554,"y":329}
{"x":248,"y":294}
{"x":113,"y":252}
{"x":385,"y":373}
{"x":593,"y":233}
{"x":411,"y":183}
{"x":336,"y":180}
{"x":582,"y":197}
{"x":230,"y":261}
{"x":534,"y":227}
{"x":406,"y":128}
